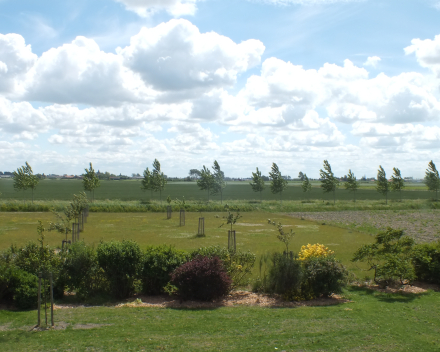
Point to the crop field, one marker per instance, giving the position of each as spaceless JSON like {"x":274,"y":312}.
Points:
{"x":131,"y":190}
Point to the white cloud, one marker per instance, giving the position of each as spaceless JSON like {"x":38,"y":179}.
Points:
{"x":427,"y":53}
{"x":306,"y":2}
{"x":16,"y":58}
{"x":146,"y":8}
{"x":81,"y":73}
{"x":372,"y":61}
{"x":176,"y":58}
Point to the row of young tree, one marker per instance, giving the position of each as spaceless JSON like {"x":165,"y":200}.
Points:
{"x":214,"y":181}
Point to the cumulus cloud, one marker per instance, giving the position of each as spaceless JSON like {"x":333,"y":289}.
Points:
{"x":145,"y":8}
{"x":175,"y":57}
{"x":427,"y":53}
{"x":16,"y":58}
{"x":372,"y":61}
{"x":81,"y":73}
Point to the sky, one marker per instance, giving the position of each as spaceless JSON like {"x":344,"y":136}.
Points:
{"x":248,"y":83}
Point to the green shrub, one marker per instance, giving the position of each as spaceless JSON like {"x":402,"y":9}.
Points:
{"x":158,"y":264}
{"x":80,"y":271}
{"x":323,"y":276}
{"x":389,"y":257}
{"x":18,"y":286}
{"x":238,"y":264}
{"x":285,"y":276}
{"x":426,"y":260}
{"x":202,"y":278}
{"x":35,"y":258}
{"x":121,"y":262}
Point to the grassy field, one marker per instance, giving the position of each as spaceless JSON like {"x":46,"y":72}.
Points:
{"x":130,"y":190}
{"x":371,"y":322}
{"x":253,"y":232}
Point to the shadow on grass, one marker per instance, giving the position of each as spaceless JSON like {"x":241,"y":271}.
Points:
{"x":388,"y":297}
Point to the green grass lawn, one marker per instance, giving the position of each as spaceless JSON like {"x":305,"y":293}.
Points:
{"x":130,"y":190}
{"x":371,"y":322}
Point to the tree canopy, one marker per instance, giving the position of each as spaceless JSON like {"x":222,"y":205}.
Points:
{"x":206,"y":180}
{"x":219,"y":180}
{"x":432,"y":178}
{"x":24,"y":178}
{"x":257,"y":183}
{"x":397,"y":182}
{"x":329,"y":182}
{"x":278,"y":183}
{"x":352,"y":184}
{"x":382,"y":183}
{"x":90,"y":181}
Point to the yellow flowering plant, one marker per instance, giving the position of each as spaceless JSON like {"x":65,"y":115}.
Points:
{"x":314,"y":250}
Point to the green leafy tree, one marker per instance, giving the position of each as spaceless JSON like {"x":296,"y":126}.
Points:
{"x":219,"y":180}
{"x":397,"y":182}
{"x":147,"y":181}
{"x":24,"y":178}
{"x":257,"y":183}
{"x":306,"y":185}
{"x":390,"y":257}
{"x":278,"y":183}
{"x":432,"y":178}
{"x":352,"y":184}
{"x":158,"y":179}
{"x":91,"y":181}
{"x":382,"y":184}
{"x":206,"y":180}
{"x":301,"y":176}
{"x":329,"y":182}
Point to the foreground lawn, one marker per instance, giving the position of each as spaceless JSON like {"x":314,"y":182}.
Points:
{"x":371,"y":322}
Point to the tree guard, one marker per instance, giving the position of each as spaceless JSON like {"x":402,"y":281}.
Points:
{"x":232,"y":244}
{"x":182,"y":217}
{"x":201,"y":230}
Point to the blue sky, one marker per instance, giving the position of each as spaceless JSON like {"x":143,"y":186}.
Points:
{"x":122,"y":82}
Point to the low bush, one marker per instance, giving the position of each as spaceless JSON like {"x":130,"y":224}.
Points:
{"x":285,"y":276}
{"x":35,"y":258}
{"x":323,"y":276}
{"x":18,"y":286}
{"x":158,"y":264}
{"x":81,"y":272}
{"x":426,"y":260}
{"x":121,"y":263}
{"x":238,"y":264}
{"x":202,"y":278}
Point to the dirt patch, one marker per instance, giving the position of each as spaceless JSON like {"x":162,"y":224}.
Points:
{"x":5,"y":327}
{"x":237,"y":298}
{"x":246,"y":224}
{"x":423,"y":226}
{"x":415,"y":288}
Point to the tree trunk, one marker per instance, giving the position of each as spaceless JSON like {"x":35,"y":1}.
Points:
{"x":386,"y":198}
{"x":32,"y":196}
{"x":334,"y":197}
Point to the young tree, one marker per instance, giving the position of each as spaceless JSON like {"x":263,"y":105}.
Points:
{"x":257,"y":183}
{"x":306,"y":185}
{"x":24,"y":178}
{"x":432,"y":178}
{"x":206,"y":180}
{"x":382,"y":184}
{"x":301,"y":176}
{"x":194,"y":173}
{"x":352,"y":184}
{"x":329,"y":182}
{"x":158,"y":179}
{"x":219,"y":180}
{"x":278,"y":184}
{"x":147,"y":181}
{"x":397,"y":182}
{"x":90,"y":181}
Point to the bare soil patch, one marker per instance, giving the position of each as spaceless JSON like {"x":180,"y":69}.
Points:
{"x":423,"y":226}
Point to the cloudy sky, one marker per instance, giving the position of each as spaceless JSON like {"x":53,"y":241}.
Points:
{"x":246,"y":82}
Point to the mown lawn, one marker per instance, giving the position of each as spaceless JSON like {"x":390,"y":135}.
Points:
{"x":371,"y":322}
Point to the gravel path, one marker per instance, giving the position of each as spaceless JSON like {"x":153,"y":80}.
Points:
{"x":424,"y":226}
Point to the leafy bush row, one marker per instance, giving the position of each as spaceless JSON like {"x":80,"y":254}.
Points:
{"x":113,"y":269}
